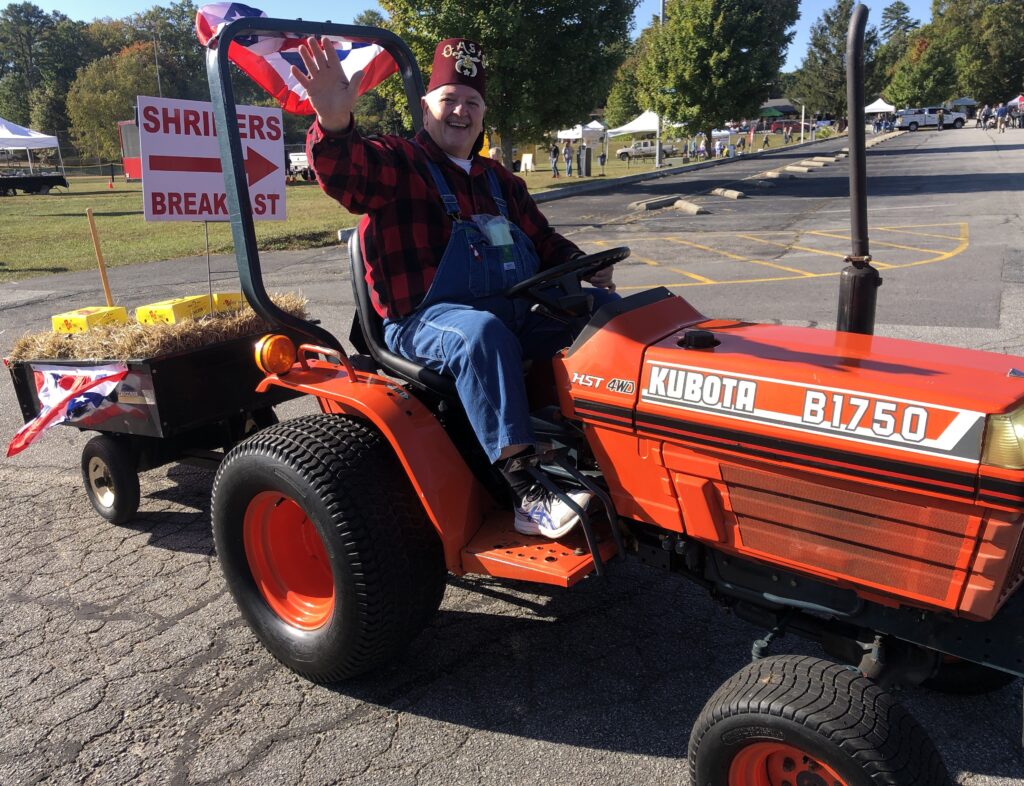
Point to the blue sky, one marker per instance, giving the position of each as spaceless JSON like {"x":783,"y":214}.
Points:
{"x":318,"y":10}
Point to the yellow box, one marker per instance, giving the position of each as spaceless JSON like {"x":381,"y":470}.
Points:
{"x":175,"y":310}
{"x":228,"y":301}
{"x":82,"y":319}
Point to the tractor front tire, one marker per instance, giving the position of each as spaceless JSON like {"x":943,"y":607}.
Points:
{"x":111,"y":478}
{"x":801,"y":720}
{"x":325,"y":546}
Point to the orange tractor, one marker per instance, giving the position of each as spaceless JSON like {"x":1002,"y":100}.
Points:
{"x":864,"y":492}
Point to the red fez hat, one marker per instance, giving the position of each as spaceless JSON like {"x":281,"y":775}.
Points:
{"x":458,"y":61}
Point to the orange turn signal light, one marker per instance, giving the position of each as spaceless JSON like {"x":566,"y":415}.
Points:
{"x":275,"y":354}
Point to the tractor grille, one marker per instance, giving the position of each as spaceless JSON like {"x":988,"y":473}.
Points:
{"x":904,"y":548}
{"x":1015,"y":574}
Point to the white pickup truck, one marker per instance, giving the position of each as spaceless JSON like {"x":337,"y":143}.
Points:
{"x":645,"y":148}
{"x":298,"y":166}
{"x":913,"y":119}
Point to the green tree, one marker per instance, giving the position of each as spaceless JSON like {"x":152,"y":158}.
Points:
{"x":171,"y":31}
{"x":925,"y":74}
{"x":821,"y":80}
{"x":896,"y":21}
{"x":23,"y":29}
{"x":547,"y":67}
{"x":990,"y":62}
{"x":623,"y":103}
{"x":105,"y":92}
{"x":715,"y":60}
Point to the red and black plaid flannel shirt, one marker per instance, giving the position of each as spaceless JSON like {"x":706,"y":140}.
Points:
{"x":388,"y":178}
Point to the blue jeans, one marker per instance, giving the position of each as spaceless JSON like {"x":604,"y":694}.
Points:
{"x":483,"y":346}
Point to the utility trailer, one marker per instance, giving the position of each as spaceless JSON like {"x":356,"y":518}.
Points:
{"x":190,"y":406}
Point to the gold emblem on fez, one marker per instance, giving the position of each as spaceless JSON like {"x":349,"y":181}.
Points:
{"x":465,"y":56}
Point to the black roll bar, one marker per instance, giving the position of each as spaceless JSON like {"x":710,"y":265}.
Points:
{"x":218,"y":72}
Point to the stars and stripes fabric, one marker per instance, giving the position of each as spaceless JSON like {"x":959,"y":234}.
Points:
{"x":267,"y":59}
{"x":67,"y":395}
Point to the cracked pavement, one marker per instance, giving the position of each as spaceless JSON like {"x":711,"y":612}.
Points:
{"x":126,"y":661}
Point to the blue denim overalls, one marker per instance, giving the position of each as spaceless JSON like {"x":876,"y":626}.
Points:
{"x":467,"y":328}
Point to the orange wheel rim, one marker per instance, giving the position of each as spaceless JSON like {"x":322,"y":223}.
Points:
{"x":288,"y":560}
{"x":779,"y":764}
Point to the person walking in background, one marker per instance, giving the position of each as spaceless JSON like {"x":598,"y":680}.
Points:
{"x":765,"y":142}
{"x":567,"y":154}
{"x":982,"y":119}
{"x":1001,"y":118}
{"x":554,"y":159}
{"x":940,"y":117}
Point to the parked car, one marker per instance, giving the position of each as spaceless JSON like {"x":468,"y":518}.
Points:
{"x":645,"y":148}
{"x":913,"y":119}
{"x":778,"y":126}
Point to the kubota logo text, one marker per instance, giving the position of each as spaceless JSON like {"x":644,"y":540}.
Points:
{"x":709,"y":390}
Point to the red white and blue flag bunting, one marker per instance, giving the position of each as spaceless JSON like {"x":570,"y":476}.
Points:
{"x":67,"y":395}
{"x":267,"y":59}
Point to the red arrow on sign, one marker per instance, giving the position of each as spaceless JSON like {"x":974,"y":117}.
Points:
{"x":256,"y":166}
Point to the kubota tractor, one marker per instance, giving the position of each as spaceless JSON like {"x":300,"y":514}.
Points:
{"x":867,"y":493}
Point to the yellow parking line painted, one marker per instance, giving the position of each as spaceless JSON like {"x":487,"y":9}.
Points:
{"x":706,"y":248}
{"x":638,"y":258}
{"x":877,"y":263}
{"x":919,"y":234}
{"x":737,"y":257}
{"x":699,"y":279}
{"x":877,"y":242}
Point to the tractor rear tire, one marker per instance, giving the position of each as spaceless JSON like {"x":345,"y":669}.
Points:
{"x":111,"y":478}
{"x":964,"y":678}
{"x":801,"y":720}
{"x":325,"y":545}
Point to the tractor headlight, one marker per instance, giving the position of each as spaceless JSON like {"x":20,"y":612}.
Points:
{"x":1004,"y":440}
{"x":275,"y":354}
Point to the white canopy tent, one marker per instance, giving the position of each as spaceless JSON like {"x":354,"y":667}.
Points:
{"x":591,"y":132}
{"x":878,"y":107}
{"x":647,"y":123}
{"x":1016,"y":101}
{"x":15,"y":137}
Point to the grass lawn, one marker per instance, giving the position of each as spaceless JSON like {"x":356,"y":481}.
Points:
{"x":50,"y":234}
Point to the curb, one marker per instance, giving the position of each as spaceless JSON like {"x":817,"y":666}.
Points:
{"x":591,"y":185}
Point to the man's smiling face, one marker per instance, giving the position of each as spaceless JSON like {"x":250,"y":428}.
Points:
{"x":453,"y":115}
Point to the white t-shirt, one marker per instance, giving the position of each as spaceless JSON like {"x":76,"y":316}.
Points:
{"x":463,"y":163}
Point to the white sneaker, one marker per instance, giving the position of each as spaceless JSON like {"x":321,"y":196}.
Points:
{"x":541,"y":512}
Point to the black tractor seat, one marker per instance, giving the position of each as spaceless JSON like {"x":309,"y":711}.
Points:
{"x":371,"y":326}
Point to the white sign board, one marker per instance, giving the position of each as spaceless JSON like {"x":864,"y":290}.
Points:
{"x":181,"y":169}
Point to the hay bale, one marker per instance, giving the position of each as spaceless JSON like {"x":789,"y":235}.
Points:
{"x":133,"y":341}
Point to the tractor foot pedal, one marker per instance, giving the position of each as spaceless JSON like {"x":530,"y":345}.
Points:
{"x":498,"y":550}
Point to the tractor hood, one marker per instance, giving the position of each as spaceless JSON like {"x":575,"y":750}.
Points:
{"x":881,"y":392}
{"x":662,"y":362}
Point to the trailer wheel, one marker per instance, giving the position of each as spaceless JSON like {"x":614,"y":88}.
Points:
{"x":325,"y":546}
{"x":110,"y":477}
{"x":807,"y":721}
{"x":964,"y":678}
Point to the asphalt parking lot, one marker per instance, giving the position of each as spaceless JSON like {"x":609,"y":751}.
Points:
{"x":126,"y":660}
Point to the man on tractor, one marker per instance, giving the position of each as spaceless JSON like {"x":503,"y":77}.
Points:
{"x":449,"y":233}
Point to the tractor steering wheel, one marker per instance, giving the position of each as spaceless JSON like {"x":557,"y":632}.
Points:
{"x":571,"y":272}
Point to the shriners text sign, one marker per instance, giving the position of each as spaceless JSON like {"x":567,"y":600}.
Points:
{"x":181,"y":168}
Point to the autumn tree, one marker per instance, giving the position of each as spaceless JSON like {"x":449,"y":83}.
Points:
{"x":547,"y":66}
{"x":715,"y":60}
{"x":104,"y":92}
